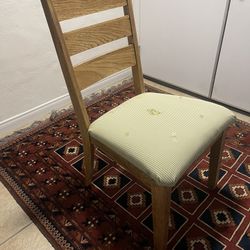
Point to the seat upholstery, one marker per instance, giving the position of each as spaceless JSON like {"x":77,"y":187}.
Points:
{"x":161,"y":134}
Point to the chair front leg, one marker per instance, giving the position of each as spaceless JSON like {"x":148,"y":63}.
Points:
{"x":161,"y":197}
{"x":215,"y":161}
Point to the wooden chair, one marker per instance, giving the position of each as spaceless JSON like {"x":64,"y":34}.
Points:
{"x":154,"y":136}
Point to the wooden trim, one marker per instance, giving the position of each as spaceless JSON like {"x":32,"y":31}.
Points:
{"x":161,"y":198}
{"x":140,"y":175}
{"x":95,"y":35}
{"x":137,"y":69}
{"x":215,"y":161}
{"x":67,"y":9}
{"x":95,"y":70}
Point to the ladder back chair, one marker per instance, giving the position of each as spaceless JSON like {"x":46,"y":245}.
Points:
{"x":154,"y":136}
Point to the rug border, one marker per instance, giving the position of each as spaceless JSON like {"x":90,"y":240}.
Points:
{"x":23,"y":203}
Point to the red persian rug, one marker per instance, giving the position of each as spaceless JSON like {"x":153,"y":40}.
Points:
{"x":41,"y":169}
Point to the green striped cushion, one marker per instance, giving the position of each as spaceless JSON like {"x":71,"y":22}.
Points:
{"x":161,"y":134}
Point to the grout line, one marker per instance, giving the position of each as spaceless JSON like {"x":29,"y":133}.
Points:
{"x":15,"y":234}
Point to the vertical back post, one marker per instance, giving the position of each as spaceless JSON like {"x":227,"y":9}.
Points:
{"x":73,"y":88}
{"x":63,"y":56}
{"x":137,"y":69}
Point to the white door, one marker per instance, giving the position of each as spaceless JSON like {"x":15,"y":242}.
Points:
{"x":179,"y":41}
{"x":232,"y":83}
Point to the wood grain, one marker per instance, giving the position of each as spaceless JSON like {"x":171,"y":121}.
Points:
{"x":85,"y":74}
{"x":74,"y":91}
{"x":137,"y":69}
{"x":95,"y":35}
{"x":161,"y":197}
{"x":67,"y":9}
{"x":92,"y":71}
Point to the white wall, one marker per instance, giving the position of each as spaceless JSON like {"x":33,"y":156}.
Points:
{"x":29,"y":69}
{"x":30,"y":74}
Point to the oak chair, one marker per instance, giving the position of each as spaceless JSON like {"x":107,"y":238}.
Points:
{"x":154,"y":136}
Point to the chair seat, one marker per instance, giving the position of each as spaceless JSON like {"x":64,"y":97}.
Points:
{"x":182,"y":129}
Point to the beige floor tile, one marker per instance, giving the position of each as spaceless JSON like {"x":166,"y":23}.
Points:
{"x":12,"y":217}
{"x":29,"y":238}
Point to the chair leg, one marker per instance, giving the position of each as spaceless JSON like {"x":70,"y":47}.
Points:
{"x":161,"y":197}
{"x":88,"y":163}
{"x":215,"y":160}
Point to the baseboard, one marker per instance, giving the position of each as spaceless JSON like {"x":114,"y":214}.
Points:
{"x":44,"y":110}
{"x":188,"y":92}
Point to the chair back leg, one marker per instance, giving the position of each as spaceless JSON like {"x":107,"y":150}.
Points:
{"x":215,"y":161}
{"x":88,"y":163}
{"x":161,"y":197}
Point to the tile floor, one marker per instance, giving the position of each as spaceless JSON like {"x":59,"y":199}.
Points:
{"x":17,"y":232}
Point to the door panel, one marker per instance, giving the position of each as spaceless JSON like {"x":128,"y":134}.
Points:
{"x":232,"y":83}
{"x":179,"y":41}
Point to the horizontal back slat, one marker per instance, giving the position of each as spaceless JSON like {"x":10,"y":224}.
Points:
{"x":103,"y":66}
{"x":67,"y":9}
{"x":90,"y":37}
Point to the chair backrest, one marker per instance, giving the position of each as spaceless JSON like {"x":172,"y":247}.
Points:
{"x":71,"y":43}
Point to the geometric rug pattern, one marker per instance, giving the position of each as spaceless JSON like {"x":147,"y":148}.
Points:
{"x":42,"y":169}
